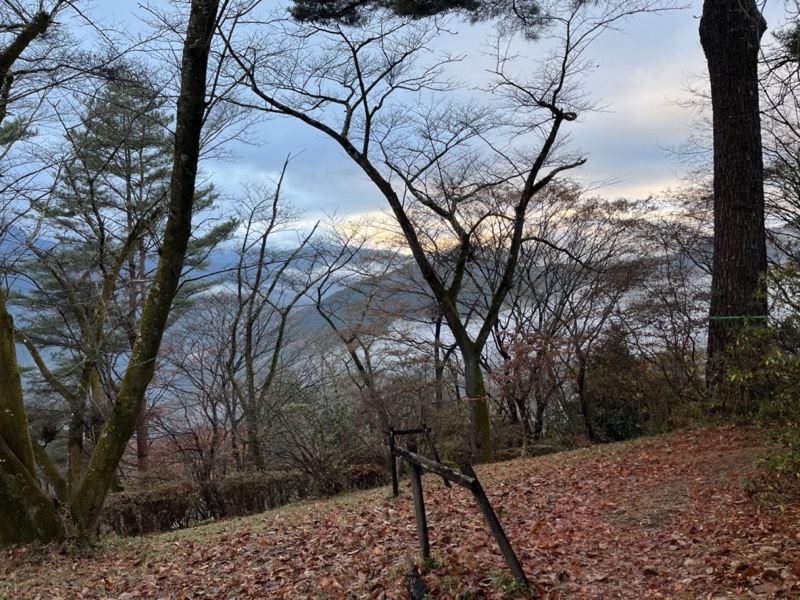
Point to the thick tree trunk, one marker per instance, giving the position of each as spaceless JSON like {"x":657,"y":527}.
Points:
{"x":730,"y":33}
{"x":14,"y":422}
{"x":27,"y":513}
{"x":255,"y":443}
{"x":478,"y":406}
{"x":75,"y":457}
{"x":88,"y":501}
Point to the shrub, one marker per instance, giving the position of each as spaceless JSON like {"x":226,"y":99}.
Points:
{"x":365,"y":476}
{"x":372,"y":452}
{"x":450,"y":433}
{"x":777,"y":483}
{"x":765,"y":370}
{"x":151,"y":509}
{"x":247,"y":493}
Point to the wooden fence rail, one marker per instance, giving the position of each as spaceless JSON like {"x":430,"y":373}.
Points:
{"x":468,"y":479}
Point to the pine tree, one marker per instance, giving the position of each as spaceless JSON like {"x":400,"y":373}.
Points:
{"x":94,"y":262}
{"x":730,"y":33}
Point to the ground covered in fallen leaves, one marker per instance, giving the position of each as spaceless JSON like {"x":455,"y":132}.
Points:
{"x":665,"y":517}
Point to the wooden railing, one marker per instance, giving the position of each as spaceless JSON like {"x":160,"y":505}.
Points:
{"x":466,"y":478}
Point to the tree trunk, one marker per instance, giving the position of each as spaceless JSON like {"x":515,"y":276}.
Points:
{"x":255,"y":443}
{"x":730,"y":33}
{"x":14,"y":428}
{"x":542,"y":392}
{"x":75,"y":457}
{"x":143,"y":440}
{"x":88,"y":501}
{"x":439,"y":363}
{"x":511,"y":402}
{"x":538,"y":426}
{"x":27,"y":512}
{"x":137,"y":276}
{"x":584,"y":402}
{"x":478,"y":406}
{"x":524,"y":417}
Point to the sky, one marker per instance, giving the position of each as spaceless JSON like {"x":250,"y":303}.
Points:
{"x":644,"y":71}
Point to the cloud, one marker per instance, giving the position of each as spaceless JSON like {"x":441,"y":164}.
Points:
{"x":319,"y":179}
{"x":641,"y":71}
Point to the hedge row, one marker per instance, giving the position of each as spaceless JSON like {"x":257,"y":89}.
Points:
{"x":166,"y":506}
{"x":248,"y":493}
{"x":149,"y":509}
{"x":366,"y":476}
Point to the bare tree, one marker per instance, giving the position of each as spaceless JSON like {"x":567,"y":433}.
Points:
{"x":579,"y":269}
{"x":780,"y":92}
{"x":267,"y":288}
{"x":197,"y":423}
{"x":370,"y":91}
{"x":666,"y":318}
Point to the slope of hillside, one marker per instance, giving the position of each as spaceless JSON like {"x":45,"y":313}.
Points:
{"x":656,"y":518}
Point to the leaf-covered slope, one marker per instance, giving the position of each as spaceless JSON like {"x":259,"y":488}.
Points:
{"x":656,"y":518}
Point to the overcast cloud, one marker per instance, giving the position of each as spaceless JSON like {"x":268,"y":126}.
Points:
{"x":642,"y":72}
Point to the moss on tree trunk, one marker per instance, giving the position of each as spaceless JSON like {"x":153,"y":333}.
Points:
{"x":87,"y":501}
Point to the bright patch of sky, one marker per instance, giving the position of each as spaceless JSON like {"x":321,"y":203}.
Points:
{"x":642,"y":72}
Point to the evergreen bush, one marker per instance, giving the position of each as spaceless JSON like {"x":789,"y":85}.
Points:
{"x":247,"y":493}
{"x":151,"y":509}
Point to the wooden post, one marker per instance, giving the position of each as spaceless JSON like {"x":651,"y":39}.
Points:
{"x":433,"y":450}
{"x":428,"y":465}
{"x":495,"y":527}
{"x":393,"y":463}
{"x":419,"y":510}
{"x":467,"y":479}
{"x":415,"y":584}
